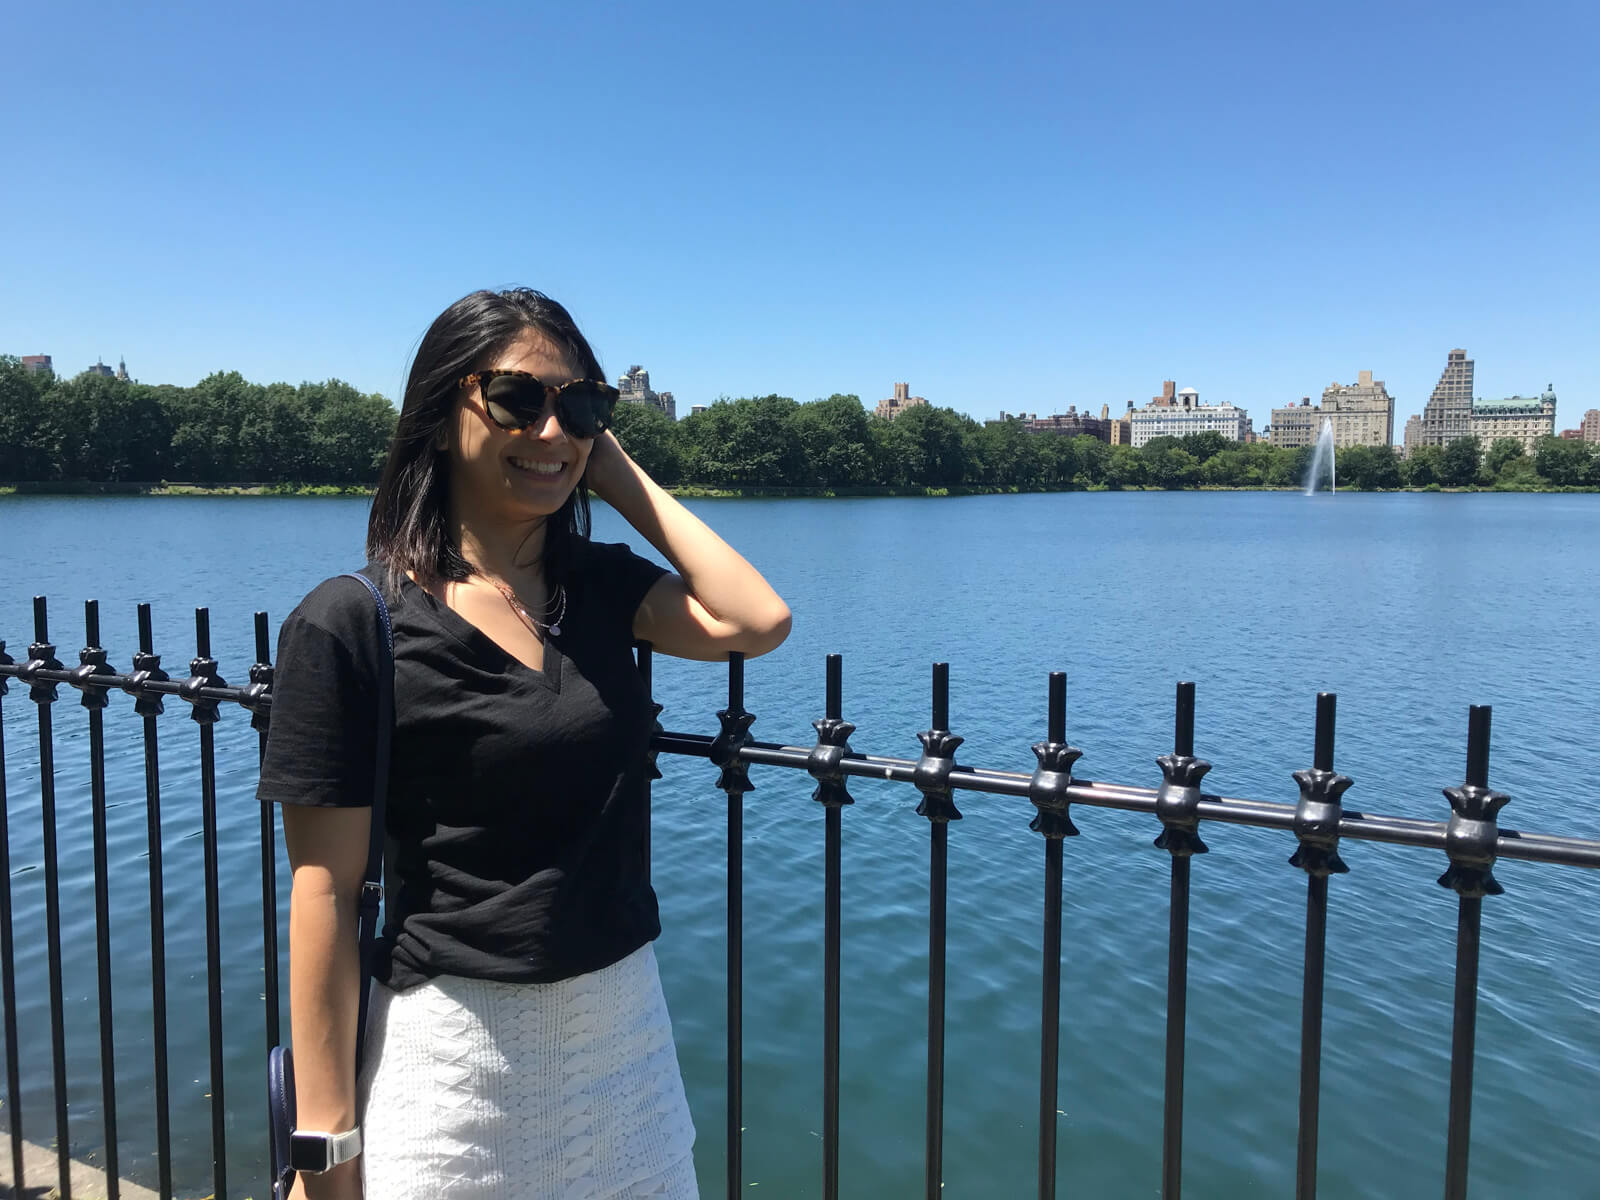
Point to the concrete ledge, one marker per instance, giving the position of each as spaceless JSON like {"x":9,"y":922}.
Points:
{"x":42,"y":1175}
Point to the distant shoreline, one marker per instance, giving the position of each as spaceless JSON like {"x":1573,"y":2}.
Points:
{"x":683,"y":491}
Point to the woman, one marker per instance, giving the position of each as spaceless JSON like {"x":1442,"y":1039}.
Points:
{"x":518,"y":1045}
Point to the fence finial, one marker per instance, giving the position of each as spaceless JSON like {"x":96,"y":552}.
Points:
{"x":202,"y":672}
{"x":1316,"y":816}
{"x":932,"y":774}
{"x":92,"y":660}
{"x":1178,"y":800}
{"x":1472,"y":836}
{"x":833,"y":742}
{"x":1053,"y":776}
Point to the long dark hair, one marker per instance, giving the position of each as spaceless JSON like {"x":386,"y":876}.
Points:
{"x":408,"y":530}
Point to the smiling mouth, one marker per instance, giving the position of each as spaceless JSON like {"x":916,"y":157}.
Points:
{"x":539,"y":467}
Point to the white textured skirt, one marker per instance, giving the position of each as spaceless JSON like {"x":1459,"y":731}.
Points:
{"x":523,"y":1091}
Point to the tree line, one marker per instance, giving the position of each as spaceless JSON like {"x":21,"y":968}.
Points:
{"x":772,"y":441}
{"x":228,"y":430}
{"x":224,"y":429}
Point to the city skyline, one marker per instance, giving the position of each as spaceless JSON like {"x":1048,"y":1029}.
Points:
{"x":1010,"y":212}
{"x":635,"y":385}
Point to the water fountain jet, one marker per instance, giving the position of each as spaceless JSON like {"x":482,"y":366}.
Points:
{"x":1322,"y":459}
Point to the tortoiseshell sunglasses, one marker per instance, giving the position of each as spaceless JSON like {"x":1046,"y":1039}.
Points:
{"x":515,"y":400}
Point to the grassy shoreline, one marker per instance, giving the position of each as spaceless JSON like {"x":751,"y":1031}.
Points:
{"x":682,"y":491}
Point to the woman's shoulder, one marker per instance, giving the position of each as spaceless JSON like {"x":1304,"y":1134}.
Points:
{"x":344,"y":608}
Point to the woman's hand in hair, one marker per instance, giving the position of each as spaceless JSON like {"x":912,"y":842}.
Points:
{"x":717,"y":602}
{"x":609,"y":467}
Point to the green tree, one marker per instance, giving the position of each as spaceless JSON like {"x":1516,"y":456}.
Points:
{"x":1300,"y":460}
{"x":1367,"y":468}
{"x":1519,"y":475}
{"x":651,"y":439}
{"x":1002,"y":454}
{"x":1094,"y":457}
{"x":24,"y":456}
{"x":1502,"y":454}
{"x":927,"y":444}
{"x":1565,"y":462}
{"x":1281,"y":466}
{"x":1229,"y":468}
{"x":1060,"y":459}
{"x":1423,"y":466}
{"x":1125,"y":468}
{"x":835,"y":442}
{"x":350,"y":434}
{"x":1172,"y":468}
{"x":1207,"y":445}
{"x":277,"y":440}
{"x":749,"y":442}
{"x":102,"y":429}
{"x":1458,"y":466}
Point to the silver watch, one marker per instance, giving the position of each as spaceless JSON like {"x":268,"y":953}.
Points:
{"x":313,"y":1153}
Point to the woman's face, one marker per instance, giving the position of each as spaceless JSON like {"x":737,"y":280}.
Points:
{"x":529,"y":473}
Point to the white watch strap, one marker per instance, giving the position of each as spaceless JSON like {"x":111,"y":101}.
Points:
{"x":342,"y":1147}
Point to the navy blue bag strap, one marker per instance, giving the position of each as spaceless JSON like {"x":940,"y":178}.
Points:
{"x":372,"y":886}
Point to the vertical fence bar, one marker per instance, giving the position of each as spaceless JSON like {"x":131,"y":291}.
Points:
{"x":1048,"y":791}
{"x":1177,"y":804}
{"x":92,"y":662}
{"x":1177,"y":975}
{"x":8,"y":961}
{"x":149,"y":705}
{"x":938,"y":865}
{"x":735,"y":954}
{"x":735,"y":780}
{"x":932,"y":778}
{"x":1316,"y":824}
{"x":203,"y":673}
{"x":652,"y":772}
{"x":261,"y":678}
{"x":42,"y":656}
{"x":833,"y":743}
{"x":1050,"y":1020}
{"x":1470,"y":843}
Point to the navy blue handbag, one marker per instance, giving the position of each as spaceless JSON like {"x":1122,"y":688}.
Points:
{"x":280,"y":1059}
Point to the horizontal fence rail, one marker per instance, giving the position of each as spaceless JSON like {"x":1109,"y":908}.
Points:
{"x":1470,"y":840}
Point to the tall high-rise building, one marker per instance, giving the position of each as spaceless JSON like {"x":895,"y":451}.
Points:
{"x":36,"y":362}
{"x":1071,"y":423}
{"x":100,"y":368}
{"x":1413,"y":435}
{"x":1528,"y":419}
{"x":122,"y":369}
{"x":898,"y":403}
{"x":1177,"y":413}
{"x":1448,"y":414}
{"x":1590,"y":428}
{"x":635,"y":388}
{"x":1121,"y":428}
{"x":1361,"y":414}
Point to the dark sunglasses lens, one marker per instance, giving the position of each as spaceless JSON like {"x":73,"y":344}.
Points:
{"x":513,"y":401}
{"x":585,"y":408}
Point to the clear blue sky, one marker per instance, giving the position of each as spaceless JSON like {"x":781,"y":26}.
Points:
{"x":1006,"y":205}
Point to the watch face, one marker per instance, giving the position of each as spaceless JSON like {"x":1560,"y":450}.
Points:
{"x":308,"y":1152}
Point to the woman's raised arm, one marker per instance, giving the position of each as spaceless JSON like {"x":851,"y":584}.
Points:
{"x":717,"y":601}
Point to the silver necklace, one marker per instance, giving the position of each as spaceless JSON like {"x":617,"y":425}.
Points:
{"x":543,"y":629}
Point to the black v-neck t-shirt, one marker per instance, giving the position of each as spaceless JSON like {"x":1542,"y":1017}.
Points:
{"x":517,"y":808}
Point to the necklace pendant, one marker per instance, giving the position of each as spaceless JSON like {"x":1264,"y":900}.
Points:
{"x":555,"y":631}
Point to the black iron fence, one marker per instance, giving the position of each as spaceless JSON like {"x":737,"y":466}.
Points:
{"x":1471,"y":840}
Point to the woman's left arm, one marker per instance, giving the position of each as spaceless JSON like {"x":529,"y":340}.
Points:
{"x":716,"y":602}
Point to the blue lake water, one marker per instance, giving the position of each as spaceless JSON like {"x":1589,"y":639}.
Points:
{"x":1410,"y":607}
